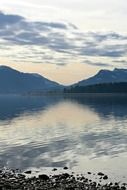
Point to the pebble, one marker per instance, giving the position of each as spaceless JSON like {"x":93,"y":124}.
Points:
{"x":43,"y":177}
{"x":101,"y":174}
{"x":105,"y":177}
{"x":54,"y":169}
{"x":65,"y":168}
{"x":28,"y":172}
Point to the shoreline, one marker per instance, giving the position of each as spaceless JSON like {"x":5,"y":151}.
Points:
{"x":15,"y":179}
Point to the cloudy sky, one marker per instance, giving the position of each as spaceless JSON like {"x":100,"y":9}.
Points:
{"x":64,"y":40}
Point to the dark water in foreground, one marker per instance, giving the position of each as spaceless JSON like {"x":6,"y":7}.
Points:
{"x":83,"y":133}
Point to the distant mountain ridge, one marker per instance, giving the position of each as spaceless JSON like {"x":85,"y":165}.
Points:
{"x":13,"y":81}
{"x":105,"y":76}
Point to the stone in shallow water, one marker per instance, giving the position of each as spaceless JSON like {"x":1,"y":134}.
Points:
{"x":28,"y":172}
{"x":123,"y":187}
{"x":54,"y":169}
{"x":43,"y":177}
{"x":65,"y":176}
{"x":101,"y":174}
{"x":105,"y":177}
{"x":65,"y":168}
{"x":21,"y":176}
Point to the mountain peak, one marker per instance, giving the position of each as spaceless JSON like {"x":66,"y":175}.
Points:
{"x":103,"y":71}
{"x":7,"y":68}
{"x":106,"y":76}
{"x":120,"y":70}
{"x":13,"y":81}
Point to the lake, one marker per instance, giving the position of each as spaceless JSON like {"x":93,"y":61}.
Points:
{"x":85,"y":133}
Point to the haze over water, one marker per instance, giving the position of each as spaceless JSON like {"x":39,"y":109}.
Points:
{"x":84,"y":133}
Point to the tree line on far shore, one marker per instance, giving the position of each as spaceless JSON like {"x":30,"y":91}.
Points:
{"x":120,"y":87}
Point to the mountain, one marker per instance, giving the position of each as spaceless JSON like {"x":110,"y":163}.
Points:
{"x":105,"y":76}
{"x":13,"y":81}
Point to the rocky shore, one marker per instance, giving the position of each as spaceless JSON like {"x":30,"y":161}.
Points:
{"x":13,"y":179}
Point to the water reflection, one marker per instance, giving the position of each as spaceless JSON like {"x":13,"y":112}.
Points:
{"x":79,"y":132}
{"x":12,"y":106}
{"x":105,"y":105}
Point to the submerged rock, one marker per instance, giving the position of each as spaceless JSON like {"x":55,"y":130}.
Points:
{"x":101,"y":174}
{"x":105,"y":177}
{"x":43,"y":177}
{"x":28,"y":172}
{"x":54,"y":169}
{"x":65,"y":168}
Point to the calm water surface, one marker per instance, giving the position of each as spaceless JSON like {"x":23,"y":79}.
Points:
{"x":83,"y":133}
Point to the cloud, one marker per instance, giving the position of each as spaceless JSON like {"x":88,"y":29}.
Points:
{"x":97,"y":64}
{"x":120,"y":61}
{"x":37,"y":41}
{"x":104,"y":45}
{"x":107,"y":36}
{"x":6,"y":19}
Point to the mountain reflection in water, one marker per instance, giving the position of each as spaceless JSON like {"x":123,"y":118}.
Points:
{"x":80,"y":132}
